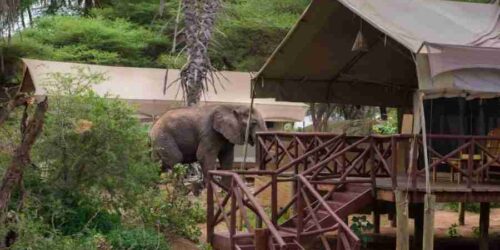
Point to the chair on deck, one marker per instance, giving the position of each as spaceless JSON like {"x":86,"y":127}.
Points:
{"x":493,"y":147}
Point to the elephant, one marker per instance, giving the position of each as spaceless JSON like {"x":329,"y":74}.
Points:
{"x":203,"y":134}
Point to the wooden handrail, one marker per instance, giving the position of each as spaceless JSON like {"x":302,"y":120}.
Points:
{"x":307,"y":154}
{"x":328,"y":159}
{"x":319,"y":198}
{"x":259,"y":210}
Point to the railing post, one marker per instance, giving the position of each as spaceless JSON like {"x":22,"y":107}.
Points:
{"x":261,"y":239}
{"x":259,"y":153}
{"x":300,"y":209}
{"x":339,"y":239}
{"x":373,"y":168}
{"x":210,"y":210}
{"x":394,"y":159}
{"x":274,"y":199}
{"x":232,"y":227}
{"x":470,"y":163}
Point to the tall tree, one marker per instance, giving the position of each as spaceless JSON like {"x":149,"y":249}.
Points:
{"x":8,"y":16}
{"x":199,"y":20}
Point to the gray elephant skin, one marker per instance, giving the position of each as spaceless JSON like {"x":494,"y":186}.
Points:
{"x":203,"y":134}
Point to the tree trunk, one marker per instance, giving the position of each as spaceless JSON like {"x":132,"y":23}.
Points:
{"x":199,"y":19}
{"x":14,"y":173}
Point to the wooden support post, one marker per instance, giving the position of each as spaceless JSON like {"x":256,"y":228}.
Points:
{"x":261,"y":238}
{"x":429,"y":208}
{"x":232,"y":223}
{"x":461,"y":213}
{"x":274,"y":200}
{"x":394,"y":221}
{"x":484,"y":224}
{"x":418,"y":225}
{"x":376,"y":218}
{"x":402,"y":234}
{"x":210,"y":210}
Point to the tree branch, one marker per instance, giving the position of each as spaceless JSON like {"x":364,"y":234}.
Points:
{"x":21,"y":158}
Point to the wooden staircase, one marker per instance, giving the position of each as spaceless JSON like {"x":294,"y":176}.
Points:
{"x":246,"y":241}
{"x":348,"y":200}
{"x":315,"y":220}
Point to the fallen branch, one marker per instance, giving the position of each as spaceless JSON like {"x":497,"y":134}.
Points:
{"x":21,"y":158}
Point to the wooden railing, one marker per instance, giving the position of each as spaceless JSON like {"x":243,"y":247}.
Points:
{"x":346,"y":239}
{"x":241,"y":199}
{"x":355,"y":156}
{"x":319,"y":164}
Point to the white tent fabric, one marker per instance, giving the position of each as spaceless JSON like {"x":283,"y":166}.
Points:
{"x":413,"y":22}
{"x":457,"y":36}
{"x":144,"y":88}
{"x":316,"y":63}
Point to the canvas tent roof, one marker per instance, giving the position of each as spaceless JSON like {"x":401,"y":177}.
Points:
{"x":144,"y":88}
{"x":406,"y":41}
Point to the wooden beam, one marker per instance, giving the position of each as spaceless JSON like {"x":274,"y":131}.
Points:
{"x":376,"y":218}
{"x":461,"y":117}
{"x":261,"y":238}
{"x":461,"y":213}
{"x":419,"y":225}
{"x":402,"y":233}
{"x":429,"y":208}
{"x":484,"y":224}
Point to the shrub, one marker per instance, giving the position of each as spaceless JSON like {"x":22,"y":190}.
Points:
{"x":453,"y":231}
{"x":170,"y":209}
{"x":89,"y":40}
{"x":360,"y":226}
{"x":93,"y":157}
{"x":137,"y":239}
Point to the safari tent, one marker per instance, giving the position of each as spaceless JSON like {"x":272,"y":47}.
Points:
{"x":380,"y":52}
{"x":145,"y":89}
{"x":388,"y":53}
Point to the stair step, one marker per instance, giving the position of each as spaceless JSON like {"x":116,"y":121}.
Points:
{"x":357,"y":187}
{"x":344,"y":197}
{"x":335,"y":205}
{"x":289,"y":246}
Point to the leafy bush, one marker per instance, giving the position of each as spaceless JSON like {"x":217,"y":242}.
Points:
{"x":89,"y":40}
{"x":91,"y":161}
{"x":360,"y":226}
{"x":33,"y":233}
{"x":390,"y":126}
{"x":170,"y":209}
{"x":137,"y":239}
{"x":93,"y":184}
{"x":453,"y":231}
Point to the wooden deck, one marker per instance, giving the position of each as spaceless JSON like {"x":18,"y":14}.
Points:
{"x":442,"y":187}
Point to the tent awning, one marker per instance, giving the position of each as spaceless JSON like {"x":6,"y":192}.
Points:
{"x":144,"y":88}
{"x":316,"y":61}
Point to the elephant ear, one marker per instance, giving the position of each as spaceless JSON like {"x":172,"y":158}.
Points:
{"x":225,"y":121}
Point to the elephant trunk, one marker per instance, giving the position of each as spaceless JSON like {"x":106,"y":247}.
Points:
{"x":260,"y":126}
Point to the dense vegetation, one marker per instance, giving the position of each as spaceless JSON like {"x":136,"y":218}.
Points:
{"x":92,"y":182}
{"x":132,"y":33}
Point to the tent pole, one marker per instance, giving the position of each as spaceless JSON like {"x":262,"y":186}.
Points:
{"x":429,"y":199}
{"x":461,"y":117}
{"x":247,"y":131}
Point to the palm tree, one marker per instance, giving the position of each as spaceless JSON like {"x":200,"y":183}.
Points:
{"x":199,"y":20}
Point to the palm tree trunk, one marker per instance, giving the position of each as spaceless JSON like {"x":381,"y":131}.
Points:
{"x":199,"y":19}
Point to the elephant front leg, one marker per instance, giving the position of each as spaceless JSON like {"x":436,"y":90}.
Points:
{"x":226,"y":160}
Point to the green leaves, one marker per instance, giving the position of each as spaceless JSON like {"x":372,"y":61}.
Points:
{"x":90,"y":40}
{"x":360,"y":226}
